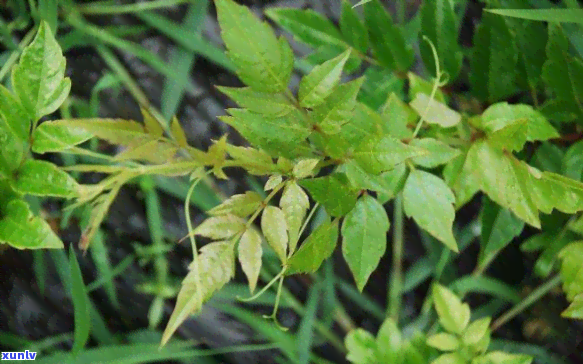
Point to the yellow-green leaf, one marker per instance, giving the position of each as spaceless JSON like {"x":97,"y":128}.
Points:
{"x":42,"y":178}
{"x":454,"y":315}
{"x":250,"y":252}
{"x":376,"y":155}
{"x":294,"y":203}
{"x":51,"y":137}
{"x":338,"y":108}
{"x":269,"y":104}
{"x":220,"y":227}
{"x":439,"y":152}
{"x":321,"y":81}
{"x":20,"y":229}
{"x":239,"y":205}
{"x":274,"y":227}
{"x":305,"y":167}
{"x":435,"y":112}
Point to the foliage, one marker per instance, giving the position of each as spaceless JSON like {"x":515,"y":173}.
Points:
{"x":327,"y":148}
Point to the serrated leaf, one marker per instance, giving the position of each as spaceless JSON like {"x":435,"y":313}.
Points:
{"x":315,"y":249}
{"x":241,"y":205}
{"x":268,"y":104}
{"x":321,"y":81}
{"x":499,"y":227}
{"x":333,"y":192}
{"x":216,"y":267}
{"x":519,"y":187}
{"x":294,"y":203}
{"x":14,"y":114}
{"x":561,"y":72}
{"x":40,"y":178}
{"x":439,"y":152}
{"x":272,"y":182}
{"x":438,"y":23}
{"x":387,"y":40}
{"x":338,"y":108}
{"x":476,"y":331}
{"x":39,"y":77}
{"x":253,"y":48}
{"x":376,"y":155}
{"x":361,"y":347}
{"x":220,"y":227}
{"x":493,"y":60}
{"x":435,"y":112}
{"x":20,"y":229}
{"x":398,"y":118}
{"x":419,"y":85}
{"x":454,"y":315}
{"x":327,"y":52}
{"x":305,"y":167}
{"x":443,"y":342}
{"x":502,"y":115}
{"x":274,"y":227}
{"x":250,"y":252}
{"x":255,"y":161}
{"x":51,"y":137}
{"x":353,"y":29}
{"x":429,"y":201}
{"x":282,"y":136}
{"x":390,"y":342}
{"x":307,"y":26}
{"x":364,"y":239}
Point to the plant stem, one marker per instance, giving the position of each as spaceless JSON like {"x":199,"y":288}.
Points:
{"x":534,"y":296}
{"x":396,"y":285}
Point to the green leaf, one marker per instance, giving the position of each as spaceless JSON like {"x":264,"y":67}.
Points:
{"x":439,"y":152}
{"x":333,"y":192}
{"x":519,"y":187}
{"x":561,"y":72}
{"x":476,"y":331}
{"x":387,"y":184}
{"x":14,"y":114}
{"x":261,"y":60}
{"x":42,"y":178}
{"x":241,"y":205}
{"x":338,"y":108}
{"x":361,"y":347}
{"x":216,"y":267}
{"x":572,"y":269}
{"x":439,"y":24}
{"x":364,"y":238}
{"x":390,"y":342}
{"x":51,"y":137}
{"x":494,"y":60}
{"x":122,"y":132}
{"x":268,"y":104}
{"x":398,"y":117}
{"x":220,"y":227}
{"x":250,"y":252}
{"x":376,"y":155}
{"x":419,"y":85}
{"x":294,"y":203}
{"x":353,"y":29}
{"x":500,"y":357}
{"x":499,"y":227}
{"x":501,"y":115}
{"x":11,"y":149}
{"x":463,"y":184}
{"x":307,"y":26}
{"x":435,"y":112}
{"x":550,"y":15}
{"x":454,"y":315}
{"x":150,"y":150}
{"x":379,"y":83}
{"x":443,"y":342}
{"x":80,"y":303}
{"x":531,"y":54}
{"x":278,"y":136}
{"x":429,"y":201}
{"x":38,"y":79}
{"x":449,"y":358}
{"x":387,"y":40}
{"x":20,"y":229}
{"x":274,"y":227}
{"x":315,"y":249}
{"x":321,"y":81}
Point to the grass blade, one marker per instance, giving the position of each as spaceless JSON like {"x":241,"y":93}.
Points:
{"x":80,"y":303}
